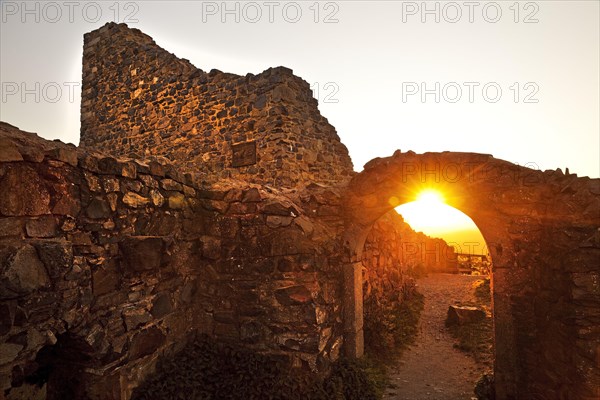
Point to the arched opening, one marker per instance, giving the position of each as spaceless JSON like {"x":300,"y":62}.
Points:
{"x":427,"y":255}
{"x":430,"y":214}
{"x":498,"y":197}
{"x":541,"y":228}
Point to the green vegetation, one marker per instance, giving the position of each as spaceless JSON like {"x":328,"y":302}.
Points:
{"x":389,"y":330}
{"x":477,"y":339}
{"x":207,"y":371}
{"x":484,"y":388}
{"x":483,"y":291}
{"x":417,"y":271}
{"x":360,"y":379}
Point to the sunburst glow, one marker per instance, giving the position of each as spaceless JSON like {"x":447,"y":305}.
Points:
{"x":429,"y":214}
{"x":430,"y":197}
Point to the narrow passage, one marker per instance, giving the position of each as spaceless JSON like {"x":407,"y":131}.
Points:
{"x":432,"y":369}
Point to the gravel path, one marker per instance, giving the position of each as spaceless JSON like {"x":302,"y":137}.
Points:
{"x":432,"y":369}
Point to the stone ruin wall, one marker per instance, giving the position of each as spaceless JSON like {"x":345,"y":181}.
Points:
{"x":113,"y":263}
{"x":139,"y":100}
{"x":245,"y":263}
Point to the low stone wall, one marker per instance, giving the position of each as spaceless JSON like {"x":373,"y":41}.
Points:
{"x":107,"y":264}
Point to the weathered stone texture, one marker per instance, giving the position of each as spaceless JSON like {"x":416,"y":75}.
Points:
{"x":117,"y":278}
{"x":108,"y":263}
{"x":139,"y":100}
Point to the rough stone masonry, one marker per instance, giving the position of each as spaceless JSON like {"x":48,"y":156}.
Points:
{"x":226,"y":205}
{"x":140,"y":100}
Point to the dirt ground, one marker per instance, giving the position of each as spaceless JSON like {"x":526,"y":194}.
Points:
{"x":432,"y":369}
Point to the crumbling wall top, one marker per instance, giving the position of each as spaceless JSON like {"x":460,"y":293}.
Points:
{"x":139,"y":100}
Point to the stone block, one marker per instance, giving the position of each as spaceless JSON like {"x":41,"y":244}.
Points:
{"x":211,"y":247}
{"x":243,"y":154}
{"x":157,"y":198}
{"x":128,"y":170}
{"x":56,"y":255}
{"x":293,"y":295}
{"x":189,"y":191}
{"x":161,"y":305}
{"x":67,"y":155}
{"x":170,"y":184}
{"x":156,"y":168}
{"x":104,"y":280}
{"x":141,"y":253}
{"x":110,"y":184}
{"x":43,"y":227}
{"x":67,"y":201}
{"x":9,"y":151}
{"x":109,"y":166}
{"x":134,"y":200}
{"x":134,"y":318}
{"x":23,"y":193}
{"x":278,"y":208}
{"x":464,"y":315}
{"x":234,"y":195}
{"x":177,"y":201}
{"x":252,"y":195}
{"x":276,"y":221}
{"x":98,"y":209}
{"x":11,"y":227}
{"x":146,"y":342}
{"x":9,"y":352}
{"x":24,"y":273}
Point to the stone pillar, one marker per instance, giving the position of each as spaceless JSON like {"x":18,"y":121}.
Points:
{"x":505,"y":364}
{"x":353,"y":310}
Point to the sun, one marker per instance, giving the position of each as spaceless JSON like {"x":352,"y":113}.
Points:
{"x":431,"y":215}
{"x":431,"y":197}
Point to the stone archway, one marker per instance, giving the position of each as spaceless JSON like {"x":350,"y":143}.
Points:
{"x":542,"y":233}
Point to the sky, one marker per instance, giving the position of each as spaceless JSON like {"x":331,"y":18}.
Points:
{"x":519,"y":80}
{"x":429,"y":214}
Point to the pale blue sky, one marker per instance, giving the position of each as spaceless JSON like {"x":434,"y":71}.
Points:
{"x":372,"y":54}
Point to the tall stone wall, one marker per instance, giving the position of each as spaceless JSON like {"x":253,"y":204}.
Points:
{"x":139,"y":100}
{"x":106,"y":264}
